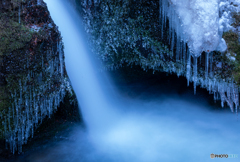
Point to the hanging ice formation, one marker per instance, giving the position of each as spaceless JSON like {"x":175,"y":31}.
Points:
{"x":19,"y":12}
{"x":193,"y":29}
{"x":32,"y":103}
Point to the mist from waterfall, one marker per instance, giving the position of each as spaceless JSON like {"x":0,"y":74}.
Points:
{"x":160,"y":128}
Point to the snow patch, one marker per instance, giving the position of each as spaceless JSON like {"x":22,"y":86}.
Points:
{"x":200,"y":23}
{"x":230,"y":57}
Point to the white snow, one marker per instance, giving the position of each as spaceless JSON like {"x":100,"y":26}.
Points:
{"x":202,"y":22}
{"x":226,"y":7}
{"x":232,"y":58}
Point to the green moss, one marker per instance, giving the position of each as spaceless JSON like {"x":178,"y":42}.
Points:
{"x":13,"y":35}
{"x":233,"y":44}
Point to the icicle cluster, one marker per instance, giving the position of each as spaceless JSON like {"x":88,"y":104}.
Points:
{"x":178,"y":39}
{"x":32,"y":103}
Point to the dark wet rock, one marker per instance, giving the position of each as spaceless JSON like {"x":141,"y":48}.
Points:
{"x":33,"y":78}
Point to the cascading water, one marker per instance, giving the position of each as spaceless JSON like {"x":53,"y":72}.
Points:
{"x":80,"y":67}
{"x":145,"y":131}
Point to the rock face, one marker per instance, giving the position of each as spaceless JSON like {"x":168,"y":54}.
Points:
{"x":33,"y":79}
{"x":147,"y":34}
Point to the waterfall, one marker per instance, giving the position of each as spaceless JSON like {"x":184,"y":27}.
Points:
{"x":81,"y":67}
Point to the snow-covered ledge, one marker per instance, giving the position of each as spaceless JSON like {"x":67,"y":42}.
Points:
{"x":200,"y":23}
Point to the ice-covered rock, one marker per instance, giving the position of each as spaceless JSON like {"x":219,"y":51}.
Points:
{"x":199,"y":20}
{"x":200,"y":23}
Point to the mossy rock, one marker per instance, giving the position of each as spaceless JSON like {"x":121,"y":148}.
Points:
{"x":233,"y":44}
{"x":13,"y":35}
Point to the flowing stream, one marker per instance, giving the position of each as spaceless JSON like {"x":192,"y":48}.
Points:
{"x":122,"y":129}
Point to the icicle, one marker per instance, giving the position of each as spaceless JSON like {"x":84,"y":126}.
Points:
{"x":42,"y":61}
{"x":48,"y":107}
{"x":51,"y":68}
{"x":184,"y":54}
{"x":17,"y":116}
{"x":177,"y":49}
{"x":9,"y":117}
{"x":19,"y":13}
{"x":19,"y":140}
{"x":180,"y":50}
{"x":61,"y":61}
{"x":172,"y":44}
{"x":41,"y":111}
{"x":32,"y":130}
{"x":36,"y":112}
{"x":211,"y":62}
{"x":170,"y":25}
{"x":165,"y":13}
{"x":27,"y":63}
{"x":177,"y":36}
{"x":206,"y":65}
{"x":14,"y":143}
{"x":5,"y":126}
{"x":188,"y":67}
{"x":215,"y":96}
{"x":164,"y":8}
{"x":195,"y":73}
{"x":160,"y":9}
